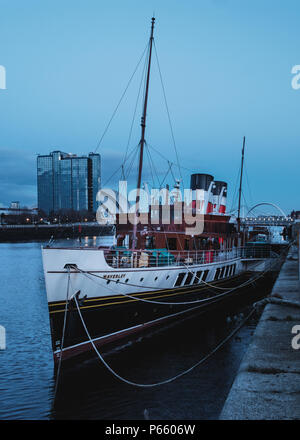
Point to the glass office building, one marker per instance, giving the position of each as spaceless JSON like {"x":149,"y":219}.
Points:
{"x":67,"y":182}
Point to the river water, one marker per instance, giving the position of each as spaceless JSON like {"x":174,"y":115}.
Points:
{"x":87,"y":390}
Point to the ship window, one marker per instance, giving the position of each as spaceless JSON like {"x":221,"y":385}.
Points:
{"x":189,"y":278}
{"x":222,"y":272}
{"x":171,"y":244}
{"x":205,"y":275}
{"x":108,"y":281}
{"x":217,"y":274}
{"x":150,"y":243}
{"x":234,"y":267}
{"x":226,"y":271}
{"x":197,"y":277}
{"x":168,"y":276}
{"x":180,"y":279}
{"x":186,"y":244}
{"x":126,"y":281}
{"x":141,"y":280}
{"x":155,"y":278}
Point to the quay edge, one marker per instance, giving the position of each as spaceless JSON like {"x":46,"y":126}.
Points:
{"x":267,"y":386}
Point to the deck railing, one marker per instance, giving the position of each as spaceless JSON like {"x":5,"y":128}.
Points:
{"x":127,"y":258}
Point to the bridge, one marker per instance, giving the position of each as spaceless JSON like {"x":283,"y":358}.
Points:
{"x":267,"y":220}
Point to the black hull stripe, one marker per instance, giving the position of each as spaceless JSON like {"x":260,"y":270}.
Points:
{"x":84,"y":346}
{"x":155,"y":295}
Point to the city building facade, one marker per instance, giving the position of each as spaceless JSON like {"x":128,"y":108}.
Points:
{"x":67,"y":182}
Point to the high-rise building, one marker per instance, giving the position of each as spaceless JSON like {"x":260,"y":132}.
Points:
{"x":67,"y":182}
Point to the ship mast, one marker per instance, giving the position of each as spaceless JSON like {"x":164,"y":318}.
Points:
{"x":142,"y":141}
{"x":240,"y":189}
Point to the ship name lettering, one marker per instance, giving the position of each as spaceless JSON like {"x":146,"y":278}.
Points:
{"x":115,"y":275}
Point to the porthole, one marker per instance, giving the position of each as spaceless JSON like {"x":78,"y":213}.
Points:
{"x":126,"y":281}
{"x":168,"y":276}
{"x":155,"y":278}
{"x":142,"y":279}
{"x":108,"y":281}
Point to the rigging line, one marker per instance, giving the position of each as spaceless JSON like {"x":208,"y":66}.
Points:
{"x":167,"y":160}
{"x":63,"y":336}
{"x":153,"y":165}
{"x":121,"y":99}
{"x":171,"y":379}
{"x":248,"y":182}
{"x":169,"y":169}
{"x":150,"y":167}
{"x":135,"y":109}
{"x":173,"y":173}
{"x":168,"y":113}
{"x":235,"y":189}
{"x":127,"y":173}
{"x":112,"y":175}
{"x":245,"y":201}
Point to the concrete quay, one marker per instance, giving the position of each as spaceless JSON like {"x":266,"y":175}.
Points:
{"x":267,"y":386}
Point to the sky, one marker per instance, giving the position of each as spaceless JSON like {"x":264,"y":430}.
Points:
{"x":226,"y":68}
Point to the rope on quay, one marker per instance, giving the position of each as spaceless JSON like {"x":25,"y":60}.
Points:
{"x":278,"y":302}
{"x":171,"y":379}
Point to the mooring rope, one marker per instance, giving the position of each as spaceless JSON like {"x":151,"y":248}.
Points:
{"x":205,"y":300}
{"x":224,"y":288}
{"x":163,"y":382}
{"x":63,"y":336}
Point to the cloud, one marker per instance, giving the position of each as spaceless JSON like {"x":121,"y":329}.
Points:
{"x":18,"y":173}
{"x":17,"y":176}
